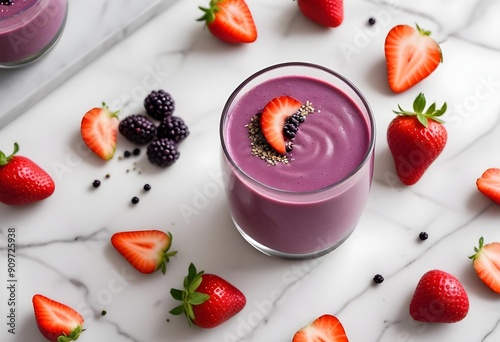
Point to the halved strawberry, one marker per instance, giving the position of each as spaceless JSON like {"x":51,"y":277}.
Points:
{"x":411,"y":55}
{"x":273,"y":119}
{"x":489,"y":184}
{"x":325,"y":328}
{"x":57,"y":322}
{"x":99,"y":128}
{"x":145,"y":250}
{"x":230,"y":21}
{"x":486,"y":262}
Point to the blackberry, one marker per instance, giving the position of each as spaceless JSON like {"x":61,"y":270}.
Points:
{"x":292,"y":125}
{"x":162,"y":152}
{"x":159,"y":104}
{"x":135,"y":200}
{"x":173,"y":127}
{"x":137,"y":128}
{"x":147,"y":187}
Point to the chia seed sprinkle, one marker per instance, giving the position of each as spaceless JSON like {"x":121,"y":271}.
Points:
{"x":260,"y":148}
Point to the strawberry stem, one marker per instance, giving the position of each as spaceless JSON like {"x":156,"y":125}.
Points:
{"x":418,"y":110}
{"x":4,"y":160}
{"x":477,"y":249}
{"x":73,"y":335}
{"x":188,"y":295}
{"x":209,"y":13}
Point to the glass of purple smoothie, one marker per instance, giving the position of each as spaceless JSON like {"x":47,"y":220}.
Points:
{"x":29,"y":29}
{"x":306,"y":200}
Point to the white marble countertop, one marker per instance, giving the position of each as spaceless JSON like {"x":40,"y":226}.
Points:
{"x":63,"y":248}
{"x":92,"y":27}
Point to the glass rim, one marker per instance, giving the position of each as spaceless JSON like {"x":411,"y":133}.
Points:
{"x":361,"y":164}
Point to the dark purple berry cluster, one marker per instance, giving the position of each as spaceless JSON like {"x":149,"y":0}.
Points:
{"x":162,"y":139}
{"x":138,"y":129}
{"x":159,"y":104}
{"x":292,"y":125}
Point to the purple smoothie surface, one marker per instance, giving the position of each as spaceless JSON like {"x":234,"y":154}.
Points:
{"x":329,"y":145}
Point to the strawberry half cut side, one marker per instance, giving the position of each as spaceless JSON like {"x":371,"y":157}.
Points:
{"x":411,"y":55}
{"x":57,"y":322}
{"x":146,"y":250}
{"x":486,"y":261}
{"x":272,"y":120}
{"x":99,"y":128}
{"x":230,"y":21}
{"x":489,"y":184}
{"x":325,"y":328}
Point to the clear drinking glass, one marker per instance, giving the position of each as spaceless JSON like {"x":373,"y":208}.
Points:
{"x":285,"y":221}
{"x":28,"y":29}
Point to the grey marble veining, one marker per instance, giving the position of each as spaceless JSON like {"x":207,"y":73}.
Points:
{"x":64,"y":248}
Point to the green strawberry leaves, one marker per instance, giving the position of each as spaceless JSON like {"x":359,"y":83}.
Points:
{"x":73,"y":336}
{"x":4,"y":160}
{"x":418,"y":110}
{"x":188,"y":296}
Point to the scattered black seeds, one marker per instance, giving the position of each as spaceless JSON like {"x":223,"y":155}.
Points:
{"x":372,"y":21}
{"x":127,"y":154}
{"x":96,"y":183}
{"x":147,"y":187}
{"x":135,"y":200}
{"x":136,"y":151}
{"x":423,"y":236}
{"x":103,"y":312}
{"x":107,"y":175}
{"x":377,"y":279}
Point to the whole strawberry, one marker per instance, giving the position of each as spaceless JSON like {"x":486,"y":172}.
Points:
{"x":22,"y":181}
{"x":329,"y":13}
{"x":439,"y":297}
{"x":416,"y":139}
{"x":207,"y":299}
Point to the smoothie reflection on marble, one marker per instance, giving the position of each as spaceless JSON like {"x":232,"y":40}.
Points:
{"x":307,"y":205}
{"x":29,"y":28}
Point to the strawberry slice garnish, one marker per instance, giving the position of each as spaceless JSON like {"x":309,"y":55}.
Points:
{"x":486,"y":262}
{"x":146,"y":250}
{"x":325,"y":328}
{"x":489,"y":184}
{"x":230,"y":21}
{"x":273,"y":119}
{"x":411,"y":55}
{"x":99,"y":128}
{"x":57,"y":322}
